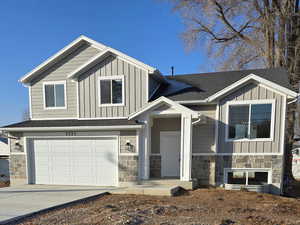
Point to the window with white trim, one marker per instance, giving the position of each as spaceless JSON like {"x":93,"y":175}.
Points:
{"x":249,"y":121}
{"x":247,"y":177}
{"x":54,"y":95}
{"x":111,"y":90}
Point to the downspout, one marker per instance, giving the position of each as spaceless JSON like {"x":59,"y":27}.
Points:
{"x":198,"y":120}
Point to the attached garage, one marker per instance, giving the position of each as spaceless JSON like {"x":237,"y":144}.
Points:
{"x":73,"y":161}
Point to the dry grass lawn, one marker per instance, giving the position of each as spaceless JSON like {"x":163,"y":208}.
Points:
{"x":202,"y":206}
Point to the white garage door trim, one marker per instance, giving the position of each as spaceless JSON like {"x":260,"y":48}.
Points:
{"x":30,"y":176}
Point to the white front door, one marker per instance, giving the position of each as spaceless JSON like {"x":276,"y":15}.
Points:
{"x":74,"y":161}
{"x":170,"y":153}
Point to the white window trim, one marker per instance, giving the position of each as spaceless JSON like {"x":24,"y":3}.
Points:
{"x":118,"y":77}
{"x":65,"y":93}
{"x":227,"y":170}
{"x":249,"y":102}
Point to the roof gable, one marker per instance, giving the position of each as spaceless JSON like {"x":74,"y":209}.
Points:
{"x":71,"y":47}
{"x":252,"y":77}
{"x":161,"y":101}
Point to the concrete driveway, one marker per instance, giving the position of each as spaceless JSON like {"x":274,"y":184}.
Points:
{"x":18,"y":201}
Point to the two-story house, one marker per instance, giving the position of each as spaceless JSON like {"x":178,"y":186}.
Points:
{"x":100,"y":117}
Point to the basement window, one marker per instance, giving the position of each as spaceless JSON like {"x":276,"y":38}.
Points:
{"x":247,"y":177}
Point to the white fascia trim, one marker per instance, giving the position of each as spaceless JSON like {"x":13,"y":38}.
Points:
{"x":162,"y":100}
{"x":231,"y":154}
{"x":76,"y":118}
{"x":103,"y":118}
{"x":125,"y":57}
{"x":77,"y":99}
{"x":217,"y":121}
{"x":54,"y":118}
{"x":194,"y":102}
{"x":59,"y":53}
{"x":30,"y":107}
{"x":259,"y":79}
{"x":95,"y":44}
{"x":75,"y":128}
{"x":88,"y":64}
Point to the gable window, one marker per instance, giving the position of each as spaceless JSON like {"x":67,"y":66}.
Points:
{"x":55,"y":95}
{"x":250,"y":121}
{"x":111,"y":90}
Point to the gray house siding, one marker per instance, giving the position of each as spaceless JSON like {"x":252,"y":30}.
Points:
{"x":204,"y":133}
{"x":159,"y":125}
{"x":59,"y":72}
{"x":135,"y":84}
{"x":251,"y":92}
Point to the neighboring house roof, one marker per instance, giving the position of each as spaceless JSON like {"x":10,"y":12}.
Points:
{"x":204,"y":85}
{"x":71,"y":47}
{"x":73,"y":124}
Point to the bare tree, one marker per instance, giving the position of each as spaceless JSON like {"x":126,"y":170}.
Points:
{"x":243,"y":34}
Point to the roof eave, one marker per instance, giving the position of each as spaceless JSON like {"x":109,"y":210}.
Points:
{"x":283,"y":90}
{"x":160,"y":101}
{"x":71,"y":128}
{"x":81,"y":39}
{"x":77,"y":42}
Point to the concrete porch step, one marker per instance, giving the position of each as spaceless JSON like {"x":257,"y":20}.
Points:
{"x":158,"y":190}
{"x":188,"y":185}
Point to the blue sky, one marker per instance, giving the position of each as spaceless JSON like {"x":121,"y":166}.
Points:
{"x":33,"y":30}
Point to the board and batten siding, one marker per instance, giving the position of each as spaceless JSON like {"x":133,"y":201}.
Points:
{"x":251,"y":92}
{"x":135,"y":89}
{"x":59,"y":72}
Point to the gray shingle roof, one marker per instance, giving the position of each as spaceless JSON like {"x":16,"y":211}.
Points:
{"x":207,"y":84}
{"x":72,"y":123}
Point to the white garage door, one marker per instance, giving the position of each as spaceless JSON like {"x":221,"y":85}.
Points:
{"x":74,"y":161}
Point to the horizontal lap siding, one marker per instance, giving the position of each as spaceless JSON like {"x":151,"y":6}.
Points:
{"x":59,"y":72}
{"x":135,"y":84}
{"x":162,"y":125}
{"x":251,"y":92}
{"x":204,"y":133}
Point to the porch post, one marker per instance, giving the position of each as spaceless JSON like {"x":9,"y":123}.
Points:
{"x":186,"y":148}
{"x":146,"y":148}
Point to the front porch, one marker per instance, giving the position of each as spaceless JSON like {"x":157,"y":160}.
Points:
{"x":166,"y":143}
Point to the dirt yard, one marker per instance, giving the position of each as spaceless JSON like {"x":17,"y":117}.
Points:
{"x":203,"y":206}
{"x":4,"y":184}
